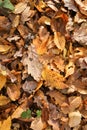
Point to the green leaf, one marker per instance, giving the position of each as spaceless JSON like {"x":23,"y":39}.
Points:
{"x":26,"y":114}
{"x":6,"y":4}
{"x":38,"y":113}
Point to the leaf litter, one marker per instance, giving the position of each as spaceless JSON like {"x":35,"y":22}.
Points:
{"x":43,"y":65}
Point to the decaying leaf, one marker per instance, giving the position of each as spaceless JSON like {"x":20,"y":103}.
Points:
{"x":2,"y":81}
{"x":4,"y":100}
{"x":33,"y":64}
{"x":74,"y":118}
{"x":59,"y":41}
{"x":53,"y":79}
{"x":6,"y":124}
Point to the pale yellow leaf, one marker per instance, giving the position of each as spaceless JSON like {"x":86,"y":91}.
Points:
{"x":2,"y":81}
{"x":4,"y":100}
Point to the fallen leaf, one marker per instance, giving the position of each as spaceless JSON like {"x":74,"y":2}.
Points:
{"x":58,"y":97}
{"x":44,"y":20}
{"x":75,"y":103}
{"x":70,"y":68}
{"x":6,"y":124}
{"x":53,"y":79}
{"x":74,"y":118}
{"x":17,"y":113}
{"x":37,"y":124}
{"x":33,"y":64}
{"x":59,"y":41}
{"x":19,"y":8}
{"x":4,"y":48}
{"x":4,"y":100}
{"x":82,"y":6}
{"x":4,"y":24}
{"x":71,"y":5}
{"x":2,"y":81}
{"x":13,"y":92}
{"x":80,"y":34}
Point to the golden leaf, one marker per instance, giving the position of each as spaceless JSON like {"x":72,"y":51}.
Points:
{"x":6,"y":124}
{"x":4,"y":100}
{"x":59,"y":41}
{"x":2,"y":81}
{"x":53,"y":79}
{"x":4,"y":48}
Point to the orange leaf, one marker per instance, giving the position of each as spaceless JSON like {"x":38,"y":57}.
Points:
{"x":53,"y":79}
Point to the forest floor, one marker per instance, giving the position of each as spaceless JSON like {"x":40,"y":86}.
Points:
{"x":43,"y":65}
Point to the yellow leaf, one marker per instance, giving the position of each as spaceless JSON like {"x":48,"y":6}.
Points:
{"x":59,"y":41}
{"x":4,"y":48}
{"x":4,"y":100}
{"x":53,"y":79}
{"x":2,"y":81}
{"x":6,"y":124}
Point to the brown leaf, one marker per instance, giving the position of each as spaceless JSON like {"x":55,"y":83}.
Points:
{"x":80,"y":34}
{"x":58,"y":97}
{"x":59,"y":41}
{"x":4,"y":24}
{"x":44,"y":20}
{"x":13,"y":92}
{"x":6,"y":124}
